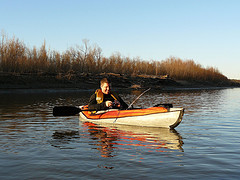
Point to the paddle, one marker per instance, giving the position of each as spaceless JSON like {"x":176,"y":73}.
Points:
{"x":72,"y":110}
{"x":68,"y":110}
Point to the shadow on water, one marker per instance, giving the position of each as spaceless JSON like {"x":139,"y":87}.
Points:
{"x":62,"y":137}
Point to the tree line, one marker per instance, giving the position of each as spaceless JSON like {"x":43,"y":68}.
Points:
{"x":16,"y":57}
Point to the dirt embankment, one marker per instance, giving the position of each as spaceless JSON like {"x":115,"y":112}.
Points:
{"x":91,"y":81}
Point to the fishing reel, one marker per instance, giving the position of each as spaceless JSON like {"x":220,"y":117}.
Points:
{"x":116,"y":104}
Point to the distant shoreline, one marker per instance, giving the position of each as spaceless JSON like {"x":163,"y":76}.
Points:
{"x":91,"y":81}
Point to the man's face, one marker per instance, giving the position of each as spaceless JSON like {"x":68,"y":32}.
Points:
{"x":105,"y":88}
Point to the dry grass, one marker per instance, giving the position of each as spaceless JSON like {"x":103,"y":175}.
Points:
{"x":16,"y":57}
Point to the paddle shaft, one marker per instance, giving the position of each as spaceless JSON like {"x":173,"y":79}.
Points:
{"x":72,"y":110}
{"x":68,"y":110}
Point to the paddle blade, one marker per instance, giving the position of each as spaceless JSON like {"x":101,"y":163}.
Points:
{"x":65,"y":110}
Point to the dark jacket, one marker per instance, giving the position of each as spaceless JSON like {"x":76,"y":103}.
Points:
{"x":106,"y":97}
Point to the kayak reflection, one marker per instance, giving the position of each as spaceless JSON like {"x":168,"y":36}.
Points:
{"x":111,"y":137}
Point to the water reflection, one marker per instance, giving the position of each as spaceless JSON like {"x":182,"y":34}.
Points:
{"x":36,"y":145}
{"x":110,"y":138}
{"x":104,"y":139}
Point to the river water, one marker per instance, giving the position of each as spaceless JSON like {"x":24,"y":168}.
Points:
{"x":37,"y":145}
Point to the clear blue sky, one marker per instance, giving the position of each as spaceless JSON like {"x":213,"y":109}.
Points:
{"x":207,"y":31}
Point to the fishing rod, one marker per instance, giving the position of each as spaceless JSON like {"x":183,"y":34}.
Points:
{"x":133,"y":102}
{"x":138,"y":98}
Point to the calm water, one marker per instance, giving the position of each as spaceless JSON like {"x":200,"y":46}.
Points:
{"x":36,"y":145}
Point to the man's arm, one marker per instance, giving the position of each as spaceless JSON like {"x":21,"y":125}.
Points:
{"x":94,"y":105}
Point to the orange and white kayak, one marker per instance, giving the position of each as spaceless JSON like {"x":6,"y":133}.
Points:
{"x":149,"y":117}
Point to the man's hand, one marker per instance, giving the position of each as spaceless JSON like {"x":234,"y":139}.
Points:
{"x":108,"y":103}
{"x":112,"y":104}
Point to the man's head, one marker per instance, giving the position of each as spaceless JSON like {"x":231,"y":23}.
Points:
{"x":105,"y":86}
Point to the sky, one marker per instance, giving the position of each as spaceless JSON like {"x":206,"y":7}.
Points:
{"x":206,"y":31}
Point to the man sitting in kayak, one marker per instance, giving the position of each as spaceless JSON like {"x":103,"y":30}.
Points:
{"x":104,"y":98}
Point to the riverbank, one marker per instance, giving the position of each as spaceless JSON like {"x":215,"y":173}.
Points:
{"x":86,"y":81}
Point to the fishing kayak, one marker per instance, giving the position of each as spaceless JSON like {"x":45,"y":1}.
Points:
{"x":149,"y":117}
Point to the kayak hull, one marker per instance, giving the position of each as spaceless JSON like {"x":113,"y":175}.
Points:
{"x":167,"y":119}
